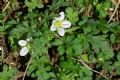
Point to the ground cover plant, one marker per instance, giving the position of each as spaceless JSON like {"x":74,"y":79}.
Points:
{"x":59,"y":40}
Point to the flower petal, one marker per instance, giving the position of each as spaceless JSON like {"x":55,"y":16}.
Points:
{"x":61,"y":31}
{"x":62,"y":16}
{"x":29,"y":39}
{"x":66,"y":24}
{"x":22,"y":42}
{"x":54,"y":20}
{"x":52,"y":28}
{"x":24,"y":51}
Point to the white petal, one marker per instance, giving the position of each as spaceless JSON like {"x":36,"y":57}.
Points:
{"x":24,"y":51}
{"x":66,"y":24}
{"x":22,"y":42}
{"x":29,"y":39}
{"x":62,"y":16}
{"x":61,"y":31}
{"x":53,"y":20}
{"x":52,"y":28}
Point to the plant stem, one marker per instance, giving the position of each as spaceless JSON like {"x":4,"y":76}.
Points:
{"x":84,"y":64}
{"x":114,"y":11}
{"x":6,"y":6}
{"x":26,"y":69}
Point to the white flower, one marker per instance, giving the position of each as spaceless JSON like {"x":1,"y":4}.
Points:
{"x":59,"y":24}
{"x":29,"y":39}
{"x":24,"y":51}
{"x":22,"y":43}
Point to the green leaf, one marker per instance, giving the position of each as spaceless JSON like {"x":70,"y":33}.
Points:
{"x":69,"y":50}
{"x":101,"y":47}
{"x":69,"y":38}
{"x":61,"y":49}
{"x":83,"y":21}
{"x":72,"y":15}
{"x":112,"y":38}
{"x":57,"y":42}
{"x":33,"y":4}
{"x":57,"y":4}
{"x":18,"y":31}
{"x":77,"y":48}
{"x":69,"y":10}
{"x":44,"y":59}
{"x":102,"y":9}
{"x":85,"y":58}
{"x":118,"y":56}
{"x":117,"y":67}
{"x":103,"y":26}
{"x":68,"y":65}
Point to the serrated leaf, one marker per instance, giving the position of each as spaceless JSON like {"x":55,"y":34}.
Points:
{"x":72,"y":15}
{"x":112,"y":38}
{"x":101,"y":47}
{"x":61,"y":49}
{"x":77,"y":48}
{"x":85,"y":58}
{"x":57,"y":42}
{"x":69,"y":10}
{"x":118,"y":56}
{"x":69,"y":50}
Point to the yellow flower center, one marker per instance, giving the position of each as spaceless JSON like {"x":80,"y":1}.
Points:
{"x":58,"y":24}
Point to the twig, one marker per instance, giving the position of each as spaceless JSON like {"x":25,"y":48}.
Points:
{"x":114,"y":11}
{"x":26,"y":69}
{"x":84,"y":64}
{"x":18,"y":75}
{"x":6,"y":6}
{"x":114,"y":2}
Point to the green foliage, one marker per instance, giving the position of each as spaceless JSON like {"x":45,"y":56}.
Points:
{"x":90,"y":38}
{"x":101,"y":47}
{"x":72,"y":15}
{"x":8,"y":74}
{"x":103,"y":7}
{"x":33,"y":4}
